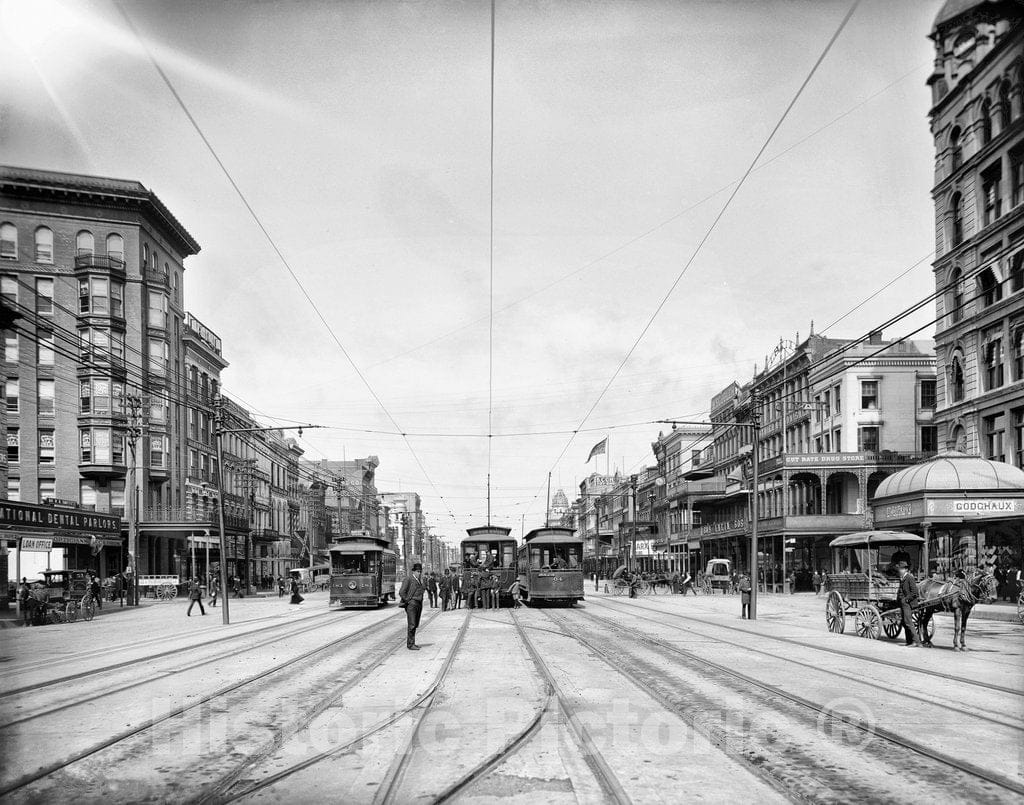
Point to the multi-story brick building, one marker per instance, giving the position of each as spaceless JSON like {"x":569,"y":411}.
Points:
{"x":977,"y":121}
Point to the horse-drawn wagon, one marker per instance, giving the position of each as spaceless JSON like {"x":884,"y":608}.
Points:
{"x":62,"y":596}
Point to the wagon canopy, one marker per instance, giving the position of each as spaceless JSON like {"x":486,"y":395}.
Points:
{"x":618,"y":571}
{"x":876,"y":538}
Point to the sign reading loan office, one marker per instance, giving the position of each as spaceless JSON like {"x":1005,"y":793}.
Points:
{"x":29,"y":515}
{"x":951,"y":508}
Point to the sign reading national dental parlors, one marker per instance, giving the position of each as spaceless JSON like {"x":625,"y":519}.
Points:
{"x":29,"y":515}
{"x":950,"y":509}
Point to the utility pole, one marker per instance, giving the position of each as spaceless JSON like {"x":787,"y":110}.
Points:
{"x":632,"y":552}
{"x":134,"y":403}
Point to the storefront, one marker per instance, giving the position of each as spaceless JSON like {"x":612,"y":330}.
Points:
{"x":970,"y":511}
{"x":70,"y":538}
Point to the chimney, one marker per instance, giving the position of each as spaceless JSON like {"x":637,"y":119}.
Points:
{"x":875,"y":338}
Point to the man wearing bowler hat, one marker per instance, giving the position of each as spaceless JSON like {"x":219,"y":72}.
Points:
{"x":411,"y":594}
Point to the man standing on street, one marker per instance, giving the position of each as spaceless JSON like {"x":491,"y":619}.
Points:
{"x":445,"y":588}
{"x":432,"y":590}
{"x":195,"y":596}
{"x":411,"y":594}
{"x":906,"y":597}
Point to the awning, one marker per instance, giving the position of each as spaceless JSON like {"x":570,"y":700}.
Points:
{"x":876,"y":538}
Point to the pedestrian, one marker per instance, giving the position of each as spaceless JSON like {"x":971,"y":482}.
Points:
{"x":495,"y":591}
{"x":469,"y":589}
{"x":816,"y":582}
{"x":411,"y":594}
{"x":445,"y":588}
{"x":456,"y":591}
{"x":280,"y":587}
{"x":791,"y":581}
{"x":24,"y":597}
{"x":432,"y":590}
{"x":214,"y":590}
{"x":906,"y":597}
{"x":744,"y":587}
{"x":516,"y":591}
{"x":119,"y":587}
{"x":236,"y":586}
{"x":296,"y":597}
{"x":96,"y":590}
{"x":686,"y":583}
{"x":195,"y":596}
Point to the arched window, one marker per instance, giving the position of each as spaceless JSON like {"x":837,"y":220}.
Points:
{"x":959,"y":439}
{"x":956,"y":148}
{"x":986,"y":122}
{"x":956,"y":379}
{"x":167,"y":270}
{"x":44,"y":245}
{"x":145,"y":255}
{"x":1004,"y":106}
{"x":85,"y":243}
{"x":115,"y":247}
{"x":956,"y":211}
{"x":956,"y":306}
{"x":8,"y":241}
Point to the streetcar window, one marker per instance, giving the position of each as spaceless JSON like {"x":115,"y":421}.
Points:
{"x":507,"y":555}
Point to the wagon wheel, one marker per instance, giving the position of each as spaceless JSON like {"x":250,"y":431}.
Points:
{"x":167,"y":592}
{"x":620,"y":587}
{"x":927,"y":638}
{"x":893,"y":625}
{"x":868,"y":622}
{"x":705,"y":587}
{"x":56,"y":615}
{"x":88,"y":609}
{"x":71,"y":612}
{"x":835,"y":613}
{"x":644,"y":587}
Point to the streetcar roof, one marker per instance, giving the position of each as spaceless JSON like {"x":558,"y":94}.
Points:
{"x":484,"y":530}
{"x":865,"y":538}
{"x":553,"y":534}
{"x":359,"y":546}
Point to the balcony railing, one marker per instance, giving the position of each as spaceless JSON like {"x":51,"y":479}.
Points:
{"x":108,"y":262}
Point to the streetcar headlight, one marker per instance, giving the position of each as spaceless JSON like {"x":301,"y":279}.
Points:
{"x":351,"y":585}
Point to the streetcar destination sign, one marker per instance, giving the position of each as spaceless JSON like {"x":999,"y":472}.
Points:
{"x":29,"y":514}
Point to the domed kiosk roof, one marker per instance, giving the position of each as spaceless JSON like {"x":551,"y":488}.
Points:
{"x":949,"y":472}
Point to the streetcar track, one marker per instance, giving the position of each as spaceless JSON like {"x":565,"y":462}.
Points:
{"x":172,"y":651}
{"x":152,"y":677}
{"x":905,"y":692}
{"x":223,"y":793}
{"x":51,"y":768}
{"x":909,"y":744}
{"x":878,"y":660}
{"x":606,"y":778}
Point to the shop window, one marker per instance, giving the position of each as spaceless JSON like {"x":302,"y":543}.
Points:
{"x":869,"y":395}
{"x":44,"y":245}
{"x":929,"y":439}
{"x":47,"y":447}
{"x":867,"y":439}
{"x":928,"y":394}
{"x":44,"y":296}
{"x":12,"y":395}
{"x":994,"y":428}
{"x":8,"y":241}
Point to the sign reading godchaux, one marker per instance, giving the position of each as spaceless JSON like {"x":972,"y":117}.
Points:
{"x":31,"y":515}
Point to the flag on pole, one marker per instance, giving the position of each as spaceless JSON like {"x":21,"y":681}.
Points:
{"x":598,"y":449}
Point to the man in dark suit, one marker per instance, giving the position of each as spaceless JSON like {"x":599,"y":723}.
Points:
{"x":906,"y":597}
{"x":411,"y":594}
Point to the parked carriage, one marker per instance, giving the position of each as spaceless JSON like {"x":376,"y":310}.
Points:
{"x":717,"y":576}
{"x":362,"y":572}
{"x":311,"y":579}
{"x":62,"y":597}
{"x":488,"y":550}
{"x":865,"y":582}
{"x":551,"y":566}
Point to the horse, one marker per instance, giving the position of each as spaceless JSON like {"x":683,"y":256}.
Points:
{"x":958,"y":595}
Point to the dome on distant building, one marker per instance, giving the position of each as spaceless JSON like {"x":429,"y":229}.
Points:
{"x":560,"y":501}
{"x":951,"y":471}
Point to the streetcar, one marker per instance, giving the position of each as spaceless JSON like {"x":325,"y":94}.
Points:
{"x":551,"y":566}
{"x":362,"y":572}
{"x":488,"y":552}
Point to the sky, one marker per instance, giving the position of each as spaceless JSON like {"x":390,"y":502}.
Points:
{"x":576,"y":271}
